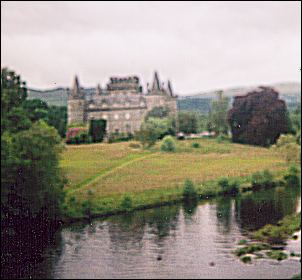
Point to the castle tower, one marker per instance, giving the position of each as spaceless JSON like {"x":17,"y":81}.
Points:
{"x":156,"y":84}
{"x":98,"y":90}
{"x":170,"y":91}
{"x":76,"y":104}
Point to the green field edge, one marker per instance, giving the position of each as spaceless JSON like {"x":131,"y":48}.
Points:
{"x":111,"y":205}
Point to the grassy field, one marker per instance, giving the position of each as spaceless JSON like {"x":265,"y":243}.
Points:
{"x":102,"y":173}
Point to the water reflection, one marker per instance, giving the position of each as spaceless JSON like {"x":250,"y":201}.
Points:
{"x":254,"y":210}
{"x":126,"y":231}
{"x":171,"y":241}
{"x":190,"y":209}
{"x":223,"y":212}
{"x":46,"y":268}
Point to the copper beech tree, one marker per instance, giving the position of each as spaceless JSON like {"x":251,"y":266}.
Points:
{"x":258,"y":118}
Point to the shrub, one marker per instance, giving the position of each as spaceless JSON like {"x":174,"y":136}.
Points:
{"x":262,"y":180}
{"x":195,"y":145}
{"x":250,"y":249}
{"x":291,"y":177}
{"x":227,"y":187}
{"x":168,"y":144}
{"x":119,"y":137}
{"x":222,"y":137}
{"x":242,"y":242}
{"x":223,"y":183}
{"x":77,"y":135}
{"x":189,"y":191}
{"x":126,"y":203}
{"x":277,"y":255}
{"x":86,"y":208}
{"x":288,"y":147}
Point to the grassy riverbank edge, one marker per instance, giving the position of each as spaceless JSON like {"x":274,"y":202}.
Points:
{"x":88,"y":207}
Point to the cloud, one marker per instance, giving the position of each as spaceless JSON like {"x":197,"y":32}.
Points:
{"x":198,"y":45}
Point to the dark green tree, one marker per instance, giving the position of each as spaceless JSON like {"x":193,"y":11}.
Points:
{"x":188,"y":122}
{"x":31,"y":180}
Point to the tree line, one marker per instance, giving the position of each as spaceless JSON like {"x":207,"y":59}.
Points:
{"x":31,"y":180}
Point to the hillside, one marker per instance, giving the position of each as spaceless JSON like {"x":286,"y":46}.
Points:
{"x":199,"y":102}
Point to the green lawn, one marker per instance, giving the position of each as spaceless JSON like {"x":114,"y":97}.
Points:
{"x":151,"y":176}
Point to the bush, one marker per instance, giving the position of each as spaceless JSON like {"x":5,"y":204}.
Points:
{"x":126,"y":203}
{"x":262,"y":180}
{"x":195,"y":145}
{"x":168,"y":144}
{"x":120,"y":137}
{"x":222,"y":137}
{"x":277,"y":255}
{"x":189,"y":191}
{"x":291,"y":177}
{"x":77,"y":135}
{"x":287,"y":146}
{"x":86,"y":208}
{"x":227,"y":187}
{"x":223,"y":183}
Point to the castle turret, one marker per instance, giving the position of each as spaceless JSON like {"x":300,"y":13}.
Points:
{"x":76,"y":104}
{"x":170,"y":91}
{"x":98,"y":90}
{"x":156,"y":83}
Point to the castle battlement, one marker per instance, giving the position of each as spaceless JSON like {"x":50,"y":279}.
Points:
{"x":123,"y":104}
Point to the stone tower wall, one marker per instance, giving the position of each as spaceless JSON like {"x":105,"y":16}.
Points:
{"x":76,"y":111}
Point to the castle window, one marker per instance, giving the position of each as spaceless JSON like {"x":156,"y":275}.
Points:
{"x":105,"y":117}
{"x":116,"y":117}
{"x":127,"y":116}
{"x":142,"y":104}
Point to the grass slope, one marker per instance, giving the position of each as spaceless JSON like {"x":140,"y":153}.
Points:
{"x":150,"y":176}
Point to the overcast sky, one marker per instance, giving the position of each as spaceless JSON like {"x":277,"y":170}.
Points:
{"x":198,"y":45}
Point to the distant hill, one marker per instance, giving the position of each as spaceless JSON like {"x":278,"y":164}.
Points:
{"x":199,"y":102}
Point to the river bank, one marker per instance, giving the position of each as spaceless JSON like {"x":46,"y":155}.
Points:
{"x":129,"y":202}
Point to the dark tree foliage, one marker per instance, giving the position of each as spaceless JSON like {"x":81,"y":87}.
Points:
{"x":57,"y":117}
{"x":188,"y":122}
{"x":36,"y":109}
{"x":31,"y":180}
{"x":258,"y":118}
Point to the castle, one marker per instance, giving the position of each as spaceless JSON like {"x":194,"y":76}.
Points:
{"x":123,"y":104}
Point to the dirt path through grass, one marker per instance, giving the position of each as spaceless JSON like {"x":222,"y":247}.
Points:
{"x":126,"y":161}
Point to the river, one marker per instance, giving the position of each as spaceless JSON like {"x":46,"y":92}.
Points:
{"x":179,"y":241}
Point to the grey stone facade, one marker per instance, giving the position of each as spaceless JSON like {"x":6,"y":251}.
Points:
{"x":123,"y":104}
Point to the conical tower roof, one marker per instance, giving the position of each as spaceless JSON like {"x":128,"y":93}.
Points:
{"x":170,"y":91}
{"x":75,"y":91}
{"x":156,"y":83}
{"x":98,"y":90}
